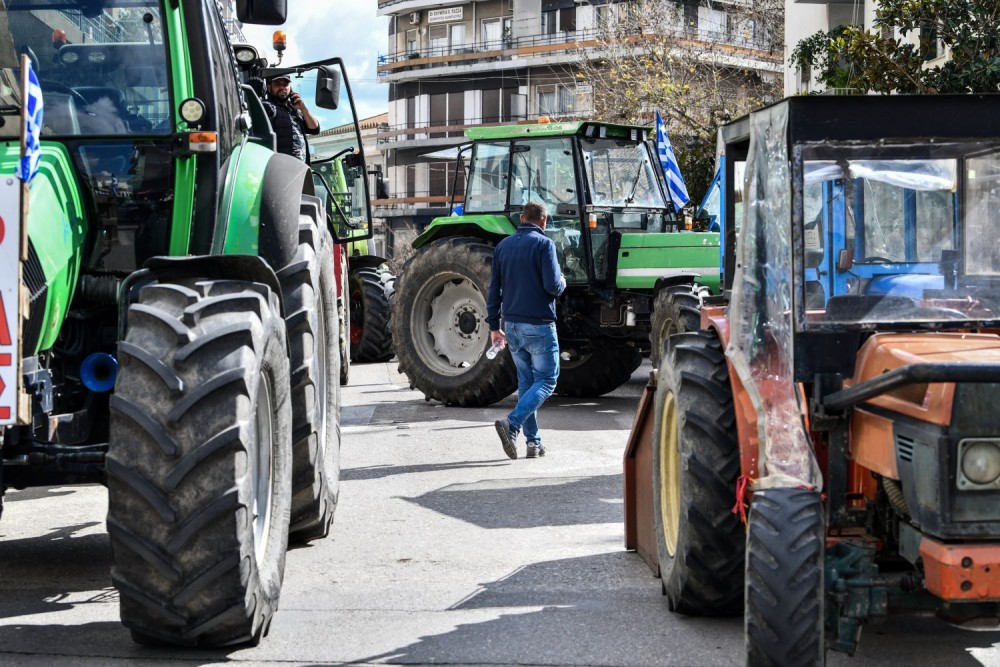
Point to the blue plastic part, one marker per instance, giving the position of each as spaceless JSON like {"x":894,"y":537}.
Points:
{"x":911,"y":285}
{"x":98,"y":372}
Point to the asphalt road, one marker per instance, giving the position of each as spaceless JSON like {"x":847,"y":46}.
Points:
{"x":444,"y":552}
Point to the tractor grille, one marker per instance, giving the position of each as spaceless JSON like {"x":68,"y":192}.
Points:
{"x":34,"y":279}
{"x":904,"y":447}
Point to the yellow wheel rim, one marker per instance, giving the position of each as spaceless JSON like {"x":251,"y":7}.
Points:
{"x":669,"y":474}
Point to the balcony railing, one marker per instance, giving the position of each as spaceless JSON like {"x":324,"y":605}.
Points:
{"x":435,"y":130}
{"x":536,"y":45}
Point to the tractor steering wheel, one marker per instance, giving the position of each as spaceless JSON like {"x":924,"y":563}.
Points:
{"x":80,"y":100}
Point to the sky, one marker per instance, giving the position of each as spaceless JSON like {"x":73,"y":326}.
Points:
{"x":348,"y":29}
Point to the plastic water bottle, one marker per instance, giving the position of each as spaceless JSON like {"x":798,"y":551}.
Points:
{"x":495,"y":349}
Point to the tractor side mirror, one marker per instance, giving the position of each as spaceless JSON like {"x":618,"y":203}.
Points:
{"x":262,"y":12}
{"x":327,"y":88}
{"x":352,"y":160}
{"x":845,"y":259}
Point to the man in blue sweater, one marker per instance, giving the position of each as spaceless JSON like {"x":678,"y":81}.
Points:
{"x":524,"y":284}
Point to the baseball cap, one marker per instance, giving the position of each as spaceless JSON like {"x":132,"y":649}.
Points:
{"x":280,"y":77}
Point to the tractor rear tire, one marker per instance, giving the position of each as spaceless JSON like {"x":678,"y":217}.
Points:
{"x":371,"y":340}
{"x":439,"y":328}
{"x":696,"y":464}
{"x":309,"y":293}
{"x":200,"y":463}
{"x":784,"y":615}
{"x":676,"y":309}
{"x":597,"y":372}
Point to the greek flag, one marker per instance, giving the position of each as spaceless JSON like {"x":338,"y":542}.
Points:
{"x":33,"y":128}
{"x":675,"y":182}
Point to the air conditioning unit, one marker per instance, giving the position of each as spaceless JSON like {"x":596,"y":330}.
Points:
{"x":414,"y":18}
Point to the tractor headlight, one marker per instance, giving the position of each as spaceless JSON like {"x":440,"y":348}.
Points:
{"x":978,"y":463}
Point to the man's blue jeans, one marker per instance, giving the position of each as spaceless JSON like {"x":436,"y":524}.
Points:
{"x":535,"y":349}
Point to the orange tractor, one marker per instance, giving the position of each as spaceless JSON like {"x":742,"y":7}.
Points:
{"x":825,"y":450}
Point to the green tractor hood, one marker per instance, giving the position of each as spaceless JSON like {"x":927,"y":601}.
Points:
{"x":57,"y":231}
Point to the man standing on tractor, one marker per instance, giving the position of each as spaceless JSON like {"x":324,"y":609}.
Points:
{"x":524,"y":284}
{"x":290,"y":117}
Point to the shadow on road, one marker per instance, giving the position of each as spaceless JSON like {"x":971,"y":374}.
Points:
{"x":557,"y":413}
{"x":530,"y":502}
{"x":545,"y":614}
{"x":382,"y":471}
{"x":39,"y":574}
{"x":575,"y":611}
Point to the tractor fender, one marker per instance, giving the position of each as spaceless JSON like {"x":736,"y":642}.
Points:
{"x":674,"y":279}
{"x":266,"y":191}
{"x":285,"y":180}
{"x":489,"y":228}
{"x":365,"y":261}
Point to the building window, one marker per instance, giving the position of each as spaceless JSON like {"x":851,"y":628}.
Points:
{"x":497,"y":105}
{"x":438,"y":40}
{"x":935,"y":47}
{"x":549,"y":21}
{"x":411,"y":41}
{"x":456,"y":37}
{"x":439,"y":113}
{"x":711,"y":23}
{"x":437,"y":182}
{"x":494,"y":31}
{"x":411,"y":112}
{"x":411,"y":180}
{"x":556,"y":100}
{"x":447,"y":109}
{"x":745,"y":33}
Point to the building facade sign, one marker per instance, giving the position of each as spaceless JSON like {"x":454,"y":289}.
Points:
{"x":445,"y":15}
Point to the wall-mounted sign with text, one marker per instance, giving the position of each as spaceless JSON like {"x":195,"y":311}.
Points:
{"x":445,"y":15}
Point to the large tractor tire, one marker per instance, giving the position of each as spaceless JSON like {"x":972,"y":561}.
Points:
{"x":344,"y":313}
{"x":371,"y":339}
{"x":676,"y":309}
{"x":200,"y":463}
{"x":597,"y":372}
{"x":784,"y":579}
{"x":696,"y":464}
{"x":308,"y":288}
{"x":439,"y":325}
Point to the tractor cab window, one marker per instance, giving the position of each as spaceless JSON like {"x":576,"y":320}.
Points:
{"x":982,"y":201}
{"x":904,"y":237}
{"x":488,"y":175}
{"x":102,"y":65}
{"x":621,"y":174}
{"x":544,"y":170}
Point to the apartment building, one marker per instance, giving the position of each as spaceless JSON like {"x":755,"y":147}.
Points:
{"x":451,"y":65}
{"x":804,"y":18}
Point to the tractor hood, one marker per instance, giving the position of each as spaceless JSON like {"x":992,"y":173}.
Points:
{"x":57,"y":230}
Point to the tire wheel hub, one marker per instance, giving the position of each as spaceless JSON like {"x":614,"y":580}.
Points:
{"x":456,"y":323}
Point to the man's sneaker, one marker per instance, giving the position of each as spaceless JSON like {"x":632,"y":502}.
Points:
{"x":534,"y":449}
{"x":507,"y":437}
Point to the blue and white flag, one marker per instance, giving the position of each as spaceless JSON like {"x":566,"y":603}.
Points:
{"x":671,"y":170}
{"x":33,"y":128}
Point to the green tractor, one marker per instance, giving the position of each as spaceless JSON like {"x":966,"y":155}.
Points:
{"x":366,"y":303}
{"x":168,"y":299}
{"x":633,"y":275}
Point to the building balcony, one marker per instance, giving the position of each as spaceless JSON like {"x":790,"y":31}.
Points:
{"x":565,"y":44}
{"x":428,"y":135}
{"x":399,"y":6}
